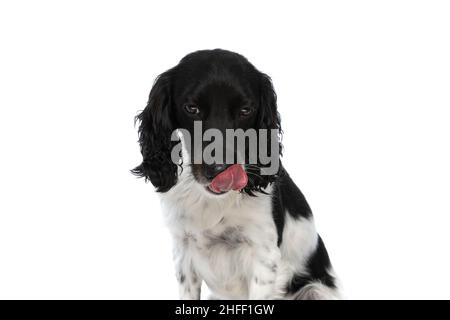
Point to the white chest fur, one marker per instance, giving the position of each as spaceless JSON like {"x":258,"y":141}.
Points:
{"x":229,"y":241}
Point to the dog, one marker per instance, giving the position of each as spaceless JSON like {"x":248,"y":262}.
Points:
{"x":245,"y":234}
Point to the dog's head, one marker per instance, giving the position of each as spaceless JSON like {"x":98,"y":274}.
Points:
{"x":222,"y":90}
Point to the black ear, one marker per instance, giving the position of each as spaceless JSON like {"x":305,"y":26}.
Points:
{"x":269,"y":118}
{"x":155,"y":130}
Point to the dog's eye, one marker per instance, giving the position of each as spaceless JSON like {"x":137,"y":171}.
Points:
{"x":191,"y":108}
{"x":245,"y":111}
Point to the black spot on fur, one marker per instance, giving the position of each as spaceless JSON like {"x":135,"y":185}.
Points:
{"x":231,"y":237}
{"x":194,"y":278}
{"x":272,"y":266}
{"x":181,"y":277}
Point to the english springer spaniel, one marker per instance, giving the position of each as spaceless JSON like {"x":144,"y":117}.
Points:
{"x":247,"y":235}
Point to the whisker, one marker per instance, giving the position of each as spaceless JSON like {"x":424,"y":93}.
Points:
{"x":255,"y":174}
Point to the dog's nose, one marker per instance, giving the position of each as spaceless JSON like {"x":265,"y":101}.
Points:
{"x":213,"y":170}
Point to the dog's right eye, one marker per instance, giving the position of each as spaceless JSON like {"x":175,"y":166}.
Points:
{"x":191,"y":108}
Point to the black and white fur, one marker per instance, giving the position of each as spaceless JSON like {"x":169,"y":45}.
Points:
{"x":260,"y":243}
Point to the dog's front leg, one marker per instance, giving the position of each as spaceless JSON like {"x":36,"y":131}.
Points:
{"x":189,"y":283}
{"x":262,"y":284}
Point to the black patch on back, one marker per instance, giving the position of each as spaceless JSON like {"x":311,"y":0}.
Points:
{"x":287,"y":196}
{"x":293,"y":199}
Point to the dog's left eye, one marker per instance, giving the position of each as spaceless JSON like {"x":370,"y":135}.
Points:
{"x":245,"y":111}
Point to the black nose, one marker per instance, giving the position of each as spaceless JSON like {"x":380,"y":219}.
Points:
{"x":212,"y":170}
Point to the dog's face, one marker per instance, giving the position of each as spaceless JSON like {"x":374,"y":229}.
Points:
{"x":217,"y":88}
{"x":219,"y":104}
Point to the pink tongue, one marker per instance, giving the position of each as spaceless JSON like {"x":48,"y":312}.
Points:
{"x":233,"y":177}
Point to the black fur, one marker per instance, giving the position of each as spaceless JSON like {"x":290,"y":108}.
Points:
{"x":156,"y":127}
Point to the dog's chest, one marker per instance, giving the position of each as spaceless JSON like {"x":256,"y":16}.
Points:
{"x":223,"y":253}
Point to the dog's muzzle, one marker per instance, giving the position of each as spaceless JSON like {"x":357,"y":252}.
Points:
{"x":233,"y":178}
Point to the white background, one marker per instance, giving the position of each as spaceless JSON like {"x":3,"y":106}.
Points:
{"x":363,"y":90}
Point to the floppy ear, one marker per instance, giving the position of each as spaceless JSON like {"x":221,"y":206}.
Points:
{"x":155,"y":129}
{"x":269,"y":118}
